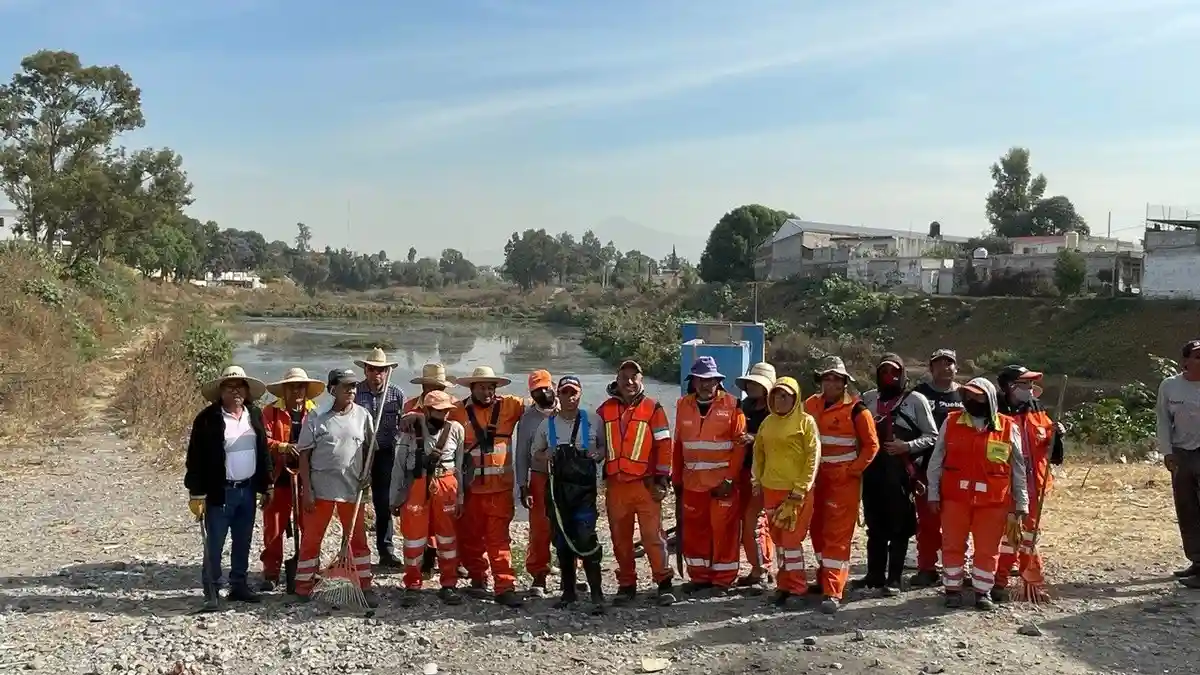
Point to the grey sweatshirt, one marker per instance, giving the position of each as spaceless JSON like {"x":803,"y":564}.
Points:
{"x":527,"y":428}
{"x":1016,"y":458}
{"x":1178,"y":414}
{"x":914,"y":407}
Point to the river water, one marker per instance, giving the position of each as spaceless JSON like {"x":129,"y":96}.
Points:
{"x":268,"y":347}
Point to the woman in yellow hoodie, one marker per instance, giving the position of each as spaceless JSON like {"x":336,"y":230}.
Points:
{"x":787,"y":450}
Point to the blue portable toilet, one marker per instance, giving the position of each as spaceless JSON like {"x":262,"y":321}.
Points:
{"x":734,"y":346}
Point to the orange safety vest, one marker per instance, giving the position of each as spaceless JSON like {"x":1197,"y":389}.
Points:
{"x":976,"y":469}
{"x":839,"y":439}
{"x":707,"y":441}
{"x":277,"y":421}
{"x":488,"y":436}
{"x":630,"y":436}
{"x":1037,"y":442}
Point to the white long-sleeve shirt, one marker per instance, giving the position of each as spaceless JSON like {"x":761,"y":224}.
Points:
{"x":1016,"y":463}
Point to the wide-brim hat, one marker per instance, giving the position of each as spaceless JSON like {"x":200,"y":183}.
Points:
{"x":433,"y":374}
{"x":834,"y":364}
{"x":297,"y":376}
{"x":211,"y":390}
{"x":483,"y":375}
{"x":760,"y":373}
{"x":377,"y":359}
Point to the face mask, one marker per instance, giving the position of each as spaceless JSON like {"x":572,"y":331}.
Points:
{"x":435,"y":423}
{"x":544,"y":399}
{"x":1022,"y":395}
{"x":975,"y":408}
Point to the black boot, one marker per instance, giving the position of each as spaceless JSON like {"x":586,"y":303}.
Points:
{"x":877,"y":558}
{"x":591,"y":569}
{"x":897,"y":552}
{"x":566,"y":566}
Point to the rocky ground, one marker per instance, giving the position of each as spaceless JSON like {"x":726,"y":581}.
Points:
{"x":100,"y":564}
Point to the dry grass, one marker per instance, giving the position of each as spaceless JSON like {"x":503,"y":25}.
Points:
{"x":158,"y":399}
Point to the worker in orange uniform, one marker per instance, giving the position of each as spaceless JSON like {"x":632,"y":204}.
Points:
{"x":709,"y":451}
{"x":282,"y":421}
{"x":977,"y":483}
{"x":756,"y":531}
{"x":532,"y":478}
{"x":848,"y":444}
{"x":427,"y":495}
{"x":1042,"y":446}
{"x":787,"y":450}
{"x":637,"y":470}
{"x":483,"y":529}
{"x":433,"y":378}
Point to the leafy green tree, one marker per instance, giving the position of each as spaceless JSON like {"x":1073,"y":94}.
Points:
{"x":303,"y":238}
{"x":412,"y":254}
{"x":311,"y":270}
{"x":1070,"y":272}
{"x":735,"y":240}
{"x":455,"y":268}
{"x":1017,"y":205}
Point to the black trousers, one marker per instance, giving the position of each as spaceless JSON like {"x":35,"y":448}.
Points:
{"x":381,"y":495}
{"x":891,"y":518}
{"x":1185,"y":484}
{"x":571,"y":508}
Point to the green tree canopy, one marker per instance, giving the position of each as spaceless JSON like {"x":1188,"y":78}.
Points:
{"x":735,"y":240}
{"x":1017,"y":205}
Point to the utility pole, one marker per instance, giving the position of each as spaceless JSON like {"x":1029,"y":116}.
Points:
{"x":1110,"y":224}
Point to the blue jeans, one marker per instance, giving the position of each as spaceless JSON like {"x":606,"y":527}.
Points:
{"x":236,"y":520}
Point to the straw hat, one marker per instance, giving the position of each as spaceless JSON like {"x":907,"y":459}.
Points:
{"x":434,"y":374}
{"x":296,"y":376}
{"x":761,"y":373}
{"x":211,"y":390}
{"x":377,"y":359}
{"x":834,"y":364}
{"x":483,"y":375}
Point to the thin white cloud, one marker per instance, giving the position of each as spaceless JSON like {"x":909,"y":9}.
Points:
{"x":712,"y":58}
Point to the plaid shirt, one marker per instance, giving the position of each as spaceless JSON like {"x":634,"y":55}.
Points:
{"x":393,"y":403}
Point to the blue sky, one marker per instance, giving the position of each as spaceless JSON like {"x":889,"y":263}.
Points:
{"x":453,"y":123}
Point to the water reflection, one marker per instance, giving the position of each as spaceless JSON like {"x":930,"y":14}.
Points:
{"x":268,"y":347}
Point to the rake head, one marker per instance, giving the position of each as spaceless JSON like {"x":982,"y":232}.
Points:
{"x":339,"y":587}
{"x":1033,"y":583}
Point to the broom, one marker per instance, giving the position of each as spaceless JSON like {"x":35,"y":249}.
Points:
{"x":1033,"y":580}
{"x":339,"y":584}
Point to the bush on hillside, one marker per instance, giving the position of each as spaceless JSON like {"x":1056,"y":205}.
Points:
{"x":1124,"y":423}
{"x":160,"y":396}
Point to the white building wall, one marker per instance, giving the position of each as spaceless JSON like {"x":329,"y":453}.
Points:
{"x":1172,"y":265}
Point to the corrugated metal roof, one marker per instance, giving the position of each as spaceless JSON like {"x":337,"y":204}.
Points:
{"x":796,"y":226}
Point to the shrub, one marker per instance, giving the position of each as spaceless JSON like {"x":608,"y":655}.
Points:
{"x":1124,"y":423}
{"x":1023,"y":283}
{"x":1070,"y":272}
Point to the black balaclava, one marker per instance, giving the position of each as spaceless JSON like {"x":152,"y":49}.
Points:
{"x":892,"y":389}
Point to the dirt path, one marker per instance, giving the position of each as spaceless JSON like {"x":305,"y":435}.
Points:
{"x":100,"y":565}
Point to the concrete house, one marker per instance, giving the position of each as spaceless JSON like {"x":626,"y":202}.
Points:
{"x":1172,"y":261}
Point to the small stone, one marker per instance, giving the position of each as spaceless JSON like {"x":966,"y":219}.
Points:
{"x":810,"y":640}
{"x":933,"y":668}
{"x":836,"y":666}
{"x":430,"y":668}
{"x":860,"y":635}
{"x":961,"y":644}
{"x":526,"y":637}
{"x":1030,"y":629}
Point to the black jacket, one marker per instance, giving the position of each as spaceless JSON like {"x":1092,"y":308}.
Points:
{"x":205,"y":474}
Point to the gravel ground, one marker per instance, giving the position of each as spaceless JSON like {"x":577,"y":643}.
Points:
{"x":100,"y":572}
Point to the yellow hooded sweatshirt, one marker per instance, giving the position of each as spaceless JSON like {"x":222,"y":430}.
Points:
{"x":787,"y":447}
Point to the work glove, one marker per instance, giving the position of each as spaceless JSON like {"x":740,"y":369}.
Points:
{"x":198,"y":505}
{"x":785,"y":516}
{"x":723,"y":490}
{"x":1012,"y":530}
{"x":265,"y":498}
{"x":526,"y":496}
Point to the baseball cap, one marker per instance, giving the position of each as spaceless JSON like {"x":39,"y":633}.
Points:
{"x":949,"y":354}
{"x":438,"y":400}
{"x":630,"y":363}
{"x":570,"y":382}
{"x":540,"y":379}
{"x":1191,"y":347}
{"x":342,"y":376}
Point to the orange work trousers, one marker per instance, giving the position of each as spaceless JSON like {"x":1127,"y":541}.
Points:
{"x":790,"y":543}
{"x":537,"y":552}
{"x":835,"y":513}
{"x":314,"y":525}
{"x":929,"y":535}
{"x":429,"y":515}
{"x":985,"y":526}
{"x":483,"y":529}
{"x":275,"y":521}
{"x":756,"y":532}
{"x":1024,"y":557}
{"x":710,"y":537}
{"x":625,"y":502}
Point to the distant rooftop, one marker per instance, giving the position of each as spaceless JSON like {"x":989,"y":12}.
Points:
{"x":796,"y":226}
{"x":1193,"y":223}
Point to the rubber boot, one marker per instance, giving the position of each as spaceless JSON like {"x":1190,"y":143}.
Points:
{"x":591,"y":569}
{"x":897,"y":551}
{"x":877,"y":559}
{"x":566,"y":567}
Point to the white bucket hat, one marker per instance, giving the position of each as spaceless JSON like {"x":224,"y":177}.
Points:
{"x":761,"y":373}
{"x":297,"y":376}
{"x":211,"y":390}
{"x":483,"y":374}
